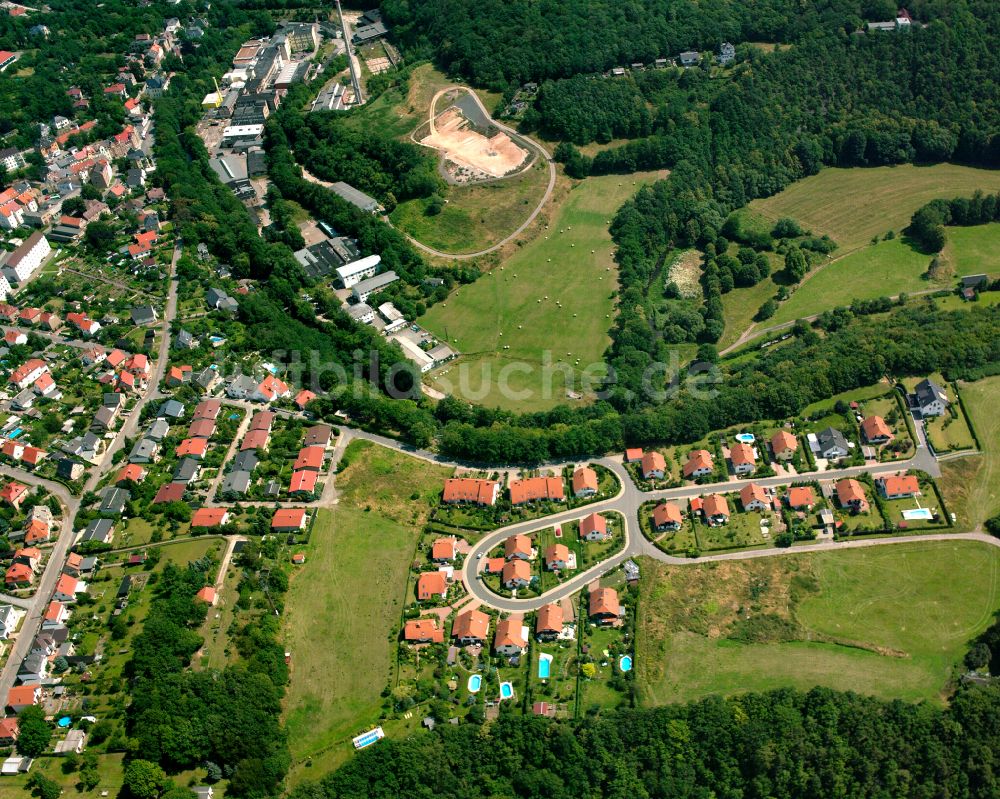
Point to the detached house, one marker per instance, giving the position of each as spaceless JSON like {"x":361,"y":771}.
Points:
{"x":754,"y":497}
{"x":471,"y":627}
{"x":654,"y":467}
{"x":584,"y":482}
{"x":517,"y":546}
{"x":667,"y":516}
{"x":431,"y":586}
{"x":423,"y":631}
{"x":516,"y":574}
{"x":715,"y":509}
{"x":784,"y":445}
{"x":875,"y":430}
{"x":549,"y":622}
{"x":699,"y":464}
{"x":932,"y":400}
{"x":801,"y":498}
{"x":603,"y":606}
{"x":557,"y":557}
{"x":851,"y":496}
{"x":594,"y":528}
{"x":511,"y":638}
{"x":898,"y":486}
{"x":832,"y":444}
{"x":742,"y":459}
{"x":443,"y":550}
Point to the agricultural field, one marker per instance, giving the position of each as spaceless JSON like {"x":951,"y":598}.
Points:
{"x":971,"y":250}
{"x":891,"y":621}
{"x":971,"y":485}
{"x":880,"y":199}
{"x":474,"y":216}
{"x":553,"y":299}
{"x":346,"y":601}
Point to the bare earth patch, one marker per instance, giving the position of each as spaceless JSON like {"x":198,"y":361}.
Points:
{"x":685,"y":272}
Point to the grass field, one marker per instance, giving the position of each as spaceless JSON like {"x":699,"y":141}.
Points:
{"x":852,"y":205}
{"x":891,"y":621}
{"x":475,"y":217}
{"x":346,"y":601}
{"x":971,"y":250}
{"x":885,"y":269}
{"x":971,"y":485}
{"x":517,"y":307}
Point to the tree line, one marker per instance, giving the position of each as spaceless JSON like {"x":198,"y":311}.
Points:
{"x":928,"y":222}
{"x":779,"y":745}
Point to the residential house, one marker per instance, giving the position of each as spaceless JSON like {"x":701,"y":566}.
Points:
{"x":192,"y":448}
{"x":510,"y":638}
{"x":19,"y":575}
{"x":715,"y":509}
{"x":584,"y":482}
{"x":667,"y":516}
{"x":432,"y":586}
{"x":236,"y":482}
{"x":742,"y":458}
{"x":898,"y":486}
{"x":207,"y":594}
{"x":801,"y":498}
{"x":99,"y":530}
{"x":534,"y":489}
{"x":603,"y":606}
{"x":516,"y":574}
{"x":158,"y":430}
{"x":471,"y":627}
{"x":201,"y":428}
{"x":187,"y":471}
{"x":518,"y":546}
{"x":303,"y":398}
{"x":10,"y":617}
{"x":13,"y":494}
{"x":67,"y":587}
{"x":471,"y":490}
{"x":851,"y":496}
{"x":21,"y":696}
{"x":423,"y":631}
{"x":309,"y":458}
{"x":207,"y":409}
{"x":931,"y":399}
{"x":699,"y":464}
{"x":633,"y":455}
{"x":209,"y":517}
{"x":549,"y":622}
{"x":784,"y":445}
{"x":654,"y":466}
{"x":557,"y":557}
{"x":832,"y":444}
{"x":114,"y":500}
{"x":303,"y":482}
{"x":444,"y":550}
{"x":318,"y":436}
{"x":754,"y":498}
{"x":289,"y":520}
{"x":875,"y":430}
{"x":594,"y":528}
{"x":145,"y":450}
{"x":169,"y":492}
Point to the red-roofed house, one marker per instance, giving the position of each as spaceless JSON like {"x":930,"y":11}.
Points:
{"x":303,"y":398}
{"x":584,"y":482}
{"x":443,"y":550}
{"x":303,"y":482}
{"x":178,"y":375}
{"x":37,"y":532}
{"x":309,"y":458}
{"x":633,"y":455}
{"x":289,"y":520}
{"x":851,"y":496}
{"x":192,"y":448}
{"x":471,"y":627}
{"x":742,"y":458}
{"x":255,"y":439}
{"x":801,"y":498}
{"x":784,"y":445}
{"x":716,"y":509}
{"x":21,"y":696}
{"x":754,"y":497}
{"x":875,"y":430}
{"x":55,"y":614}
{"x":423,"y":631}
{"x":518,"y":546}
{"x":207,"y":595}
{"x":557,"y":557}
{"x":201,"y":428}
{"x":209,"y":517}
{"x":13,"y":494}
{"x":594,"y":528}
{"x":536,"y":488}
{"x":431,"y":586}
{"x":603,"y":606}
{"x":66,"y":588}
{"x":467,"y":489}
{"x":654,"y":466}
{"x":169,"y":492}
{"x":32,"y":456}
{"x":130,"y":473}
{"x":549,"y":622}
{"x":270,"y":389}
{"x":667,"y":516}
{"x":8,"y":731}
{"x":516,"y":574}
{"x":898,"y":486}
{"x":19,"y":575}
{"x":699,"y":464}
{"x":510,"y":638}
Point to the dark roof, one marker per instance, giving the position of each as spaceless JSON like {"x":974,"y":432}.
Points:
{"x":831,"y":437}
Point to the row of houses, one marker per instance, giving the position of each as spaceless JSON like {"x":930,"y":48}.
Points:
{"x":478,"y":491}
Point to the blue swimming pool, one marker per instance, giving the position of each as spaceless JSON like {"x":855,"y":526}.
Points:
{"x":475,"y":683}
{"x":625,"y":664}
{"x":918,"y":513}
{"x":16,"y":433}
{"x":544,"y":666}
{"x":506,"y":690}
{"x":746,"y":438}
{"x":65,"y":721}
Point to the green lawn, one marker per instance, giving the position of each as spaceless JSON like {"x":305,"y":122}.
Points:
{"x":346,"y":601}
{"x":971,"y":485}
{"x":885,"y":269}
{"x":475,"y":217}
{"x":739,"y":308}
{"x":972,"y":250}
{"x":852,"y":205}
{"x":890,"y":621}
{"x":517,"y":306}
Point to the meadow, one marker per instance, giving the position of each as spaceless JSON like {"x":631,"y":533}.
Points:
{"x":853,"y":205}
{"x":345,"y":603}
{"x":891,"y":622}
{"x":553,"y":297}
{"x":971,"y":485}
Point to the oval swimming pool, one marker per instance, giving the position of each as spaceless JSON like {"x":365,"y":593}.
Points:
{"x":506,"y":690}
{"x":625,"y":663}
{"x":745,"y":438}
{"x":475,"y":683}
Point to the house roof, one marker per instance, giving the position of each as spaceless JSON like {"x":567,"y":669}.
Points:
{"x":262,"y":420}
{"x":928,"y":391}
{"x":130,"y":471}
{"x":169,"y":492}
{"x":468,"y":489}
{"x":304,"y":397}
{"x":309,"y":458}
{"x":604,"y":602}
{"x":741,"y":454}
{"x":584,"y":479}
{"x":54,"y":611}
{"x":557,"y":553}
{"x":471,"y":624}
{"x":431,"y":584}
{"x":516,"y":570}
{"x":535,"y":488}
{"x":550,"y":619}
{"x":19,"y":573}
{"x":667,"y":513}
{"x":653,"y":461}
{"x":510,"y":632}
{"x":874,"y":427}
{"x":594,"y":523}
{"x":304,"y":480}
{"x":202,"y":428}
{"x":752,"y":492}
{"x":517,"y":545}
{"x":255,"y":439}
{"x":801,"y":497}
{"x":697,"y":460}
{"x":423,"y":630}
{"x":22,"y":695}
{"x":443,"y":548}
{"x":900,"y":484}
{"x":192,"y":446}
{"x":66,"y":584}
{"x":831,"y":438}
{"x":783,"y":441}
{"x":633,"y":454}
{"x":849,"y":491}
{"x":207,"y":409}
{"x":318,"y":435}
{"x":12,"y":492}
{"x":208,"y":517}
{"x":285,"y":518}
{"x":206,"y":594}
{"x":715,"y":505}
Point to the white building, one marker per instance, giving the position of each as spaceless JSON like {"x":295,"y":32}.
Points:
{"x":362,"y":313}
{"x":353,"y":273}
{"x":413,"y":353}
{"x":4,"y":288}
{"x":22,"y":263}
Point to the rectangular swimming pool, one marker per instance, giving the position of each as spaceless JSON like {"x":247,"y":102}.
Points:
{"x":544,"y":666}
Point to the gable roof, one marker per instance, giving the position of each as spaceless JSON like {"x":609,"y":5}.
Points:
{"x":752,"y":492}
{"x":517,"y":545}
{"x":584,"y":479}
{"x":783,"y":441}
{"x":516,"y":569}
{"x":667,"y":513}
{"x":604,"y":602}
{"x":801,"y":497}
{"x":742,"y":454}
{"x":594,"y":523}
{"x":471,"y":624}
{"x":849,"y":491}
{"x":715,"y":505}
{"x":208,"y":517}
{"x":698,"y":459}
{"x":900,"y":484}
{"x":875,"y":427}
{"x":550,"y":619}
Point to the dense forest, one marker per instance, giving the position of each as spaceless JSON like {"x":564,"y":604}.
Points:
{"x":585,"y":109}
{"x":779,"y":745}
{"x":499,"y":44}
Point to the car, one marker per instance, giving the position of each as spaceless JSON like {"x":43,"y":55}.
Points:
{"x":479,"y":556}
